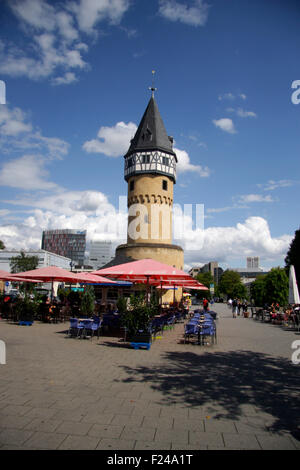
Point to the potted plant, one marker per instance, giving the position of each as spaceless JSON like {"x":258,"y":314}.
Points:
{"x":121,"y":305}
{"x":25,"y":310}
{"x":136,"y":319}
{"x":87,"y":305}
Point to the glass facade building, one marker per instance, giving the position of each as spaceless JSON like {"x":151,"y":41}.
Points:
{"x":68,"y":243}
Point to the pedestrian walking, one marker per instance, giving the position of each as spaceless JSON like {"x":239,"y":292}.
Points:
{"x":234,"y":308}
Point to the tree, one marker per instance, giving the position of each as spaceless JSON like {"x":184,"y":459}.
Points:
{"x":293,"y":255}
{"x":205,"y":278}
{"x":23,"y":263}
{"x":230,"y":285}
{"x":2,"y":246}
{"x":271,"y":287}
{"x":277,"y":286}
{"x":258,"y":290}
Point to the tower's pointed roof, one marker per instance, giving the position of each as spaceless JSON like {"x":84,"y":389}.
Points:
{"x":151,"y":133}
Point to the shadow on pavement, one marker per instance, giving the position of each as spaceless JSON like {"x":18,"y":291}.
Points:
{"x":232,"y":379}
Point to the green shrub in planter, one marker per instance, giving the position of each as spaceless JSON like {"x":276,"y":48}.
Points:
{"x":87,"y":305}
{"x":136,"y":319}
{"x":26,"y":309}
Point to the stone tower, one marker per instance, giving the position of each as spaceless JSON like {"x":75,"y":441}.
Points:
{"x":150,"y":172}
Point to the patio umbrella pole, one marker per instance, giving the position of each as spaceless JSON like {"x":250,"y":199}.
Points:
{"x":161,"y":295}
{"x":147,"y":290}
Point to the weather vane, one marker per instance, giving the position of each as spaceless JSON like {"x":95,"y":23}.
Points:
{"x":153,"y":89}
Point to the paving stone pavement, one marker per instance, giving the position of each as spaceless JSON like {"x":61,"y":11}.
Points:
{"x":64,"y":393}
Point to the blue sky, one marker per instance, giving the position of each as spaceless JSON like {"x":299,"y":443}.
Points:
{"x":77,"y":74}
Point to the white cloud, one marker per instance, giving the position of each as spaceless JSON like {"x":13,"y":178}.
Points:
{"x":251,"y":238}
{"x":90,"y":12}
{"x":69,"y":77}
{"x":249,"y":198}
{"x":90,"y":210}
{"x":12,"y":122}
{"x":226,"y":96}
{"x":230,"y":96}
{"x":225,"y":124}
{"x":195,"y":15}
{"x":184,"y":164}
{"x":217,"y":210}
{"x":18,"y":133}
{"x":54,"y":146}
{"x":36,"y":13}
{"x":271,"y":185}
{"x":54,"y":47}
{"x":241,"y":113}
{"x":67,"y":203}
{"x":112,"y":141}
{"x":27,"y":172}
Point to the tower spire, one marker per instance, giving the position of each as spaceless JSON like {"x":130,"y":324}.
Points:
{"x":153,"y":89}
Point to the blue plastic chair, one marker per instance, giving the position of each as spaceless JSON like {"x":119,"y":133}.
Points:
{"x":190,"y":330}
{"x":179,"y":317}
{"x":170,"y":322}
{"x":73,"y":327}
{"x":208,"y":329}
{"x":157,"y":325}
{"x":95,"y":326}
{"x":82,"y":327}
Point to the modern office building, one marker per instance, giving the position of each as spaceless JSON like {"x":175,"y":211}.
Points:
{"x":100,"y":254}
{"x":252,"y":271}
{"x":68,"y":243}
{"x":252,"y":262}
{"x":45,"y":259}
{"x":211,"y":267}
{"x":194,"y":271}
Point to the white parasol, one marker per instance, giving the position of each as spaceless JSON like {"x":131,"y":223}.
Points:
{"x":293,"y":287}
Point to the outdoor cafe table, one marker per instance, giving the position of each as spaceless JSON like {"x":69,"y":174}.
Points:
{"x":200,"y":324}
{"x":85,"y":320}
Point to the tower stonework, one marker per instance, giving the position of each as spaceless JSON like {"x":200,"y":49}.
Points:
{"x":150,"y":172}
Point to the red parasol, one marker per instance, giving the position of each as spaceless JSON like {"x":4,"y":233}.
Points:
{"x":89,"y":278}
{"x":147,"y":271}
{"x":49,"y":274}
{"x":6,"y":276}
{"x":143,"y":271}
